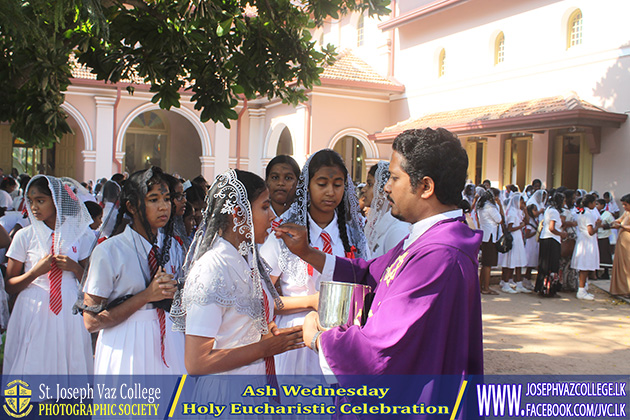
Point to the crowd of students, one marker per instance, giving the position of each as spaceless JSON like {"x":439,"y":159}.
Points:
{"x":177,"y":276}
{"x":567,"y":236}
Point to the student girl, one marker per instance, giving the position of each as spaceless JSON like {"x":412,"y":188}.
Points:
{"x":324,"y":197}
{"x":535,"y":209}
{"x":382,"y":230}
{"x":227,"y":304}
{"x":490,"y":214}
{"x":586,"y":252}
{"x":46,"y":259}
{"x":282,"y":175}
{"x":516,"y":258}
{"x":111,"y":205}
{"x":130,"y":281}
{"x":547,"y":280}
{"x":178,"y":198}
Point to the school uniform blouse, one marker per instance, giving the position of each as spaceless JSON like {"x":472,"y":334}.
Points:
{"x":125,"y":255}
{"x":38,"y":341}
{"x":25,"y":248}
{"x":389,"y":232}
{"x":551,"y":214}
{"x":119,"y":267}
{"x":489,"y":219}
{"x":229,"y":327}
{"x":271,"y":251}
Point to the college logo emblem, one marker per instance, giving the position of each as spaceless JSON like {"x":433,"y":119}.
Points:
{"x":17,"y":399}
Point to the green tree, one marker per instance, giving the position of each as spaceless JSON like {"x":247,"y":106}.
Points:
{"x":217,"y":49}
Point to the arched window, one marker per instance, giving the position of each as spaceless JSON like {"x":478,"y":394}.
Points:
{"x":499,"y":49}
{"x":353,"y":153}
{"x":442,"y":63}
{"x":361,"y":31}
{"x":285,"y":143}
{"x":145,"y":143}
{"x":574,"y":29}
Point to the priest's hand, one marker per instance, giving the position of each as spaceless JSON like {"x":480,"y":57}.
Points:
{"x":296,"y":239}
{"x":310,"y":327}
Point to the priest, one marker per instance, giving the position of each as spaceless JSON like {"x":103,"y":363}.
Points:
{"x":425,"y":318}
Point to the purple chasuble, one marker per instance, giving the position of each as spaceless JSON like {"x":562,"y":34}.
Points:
{"x":426,"y":315}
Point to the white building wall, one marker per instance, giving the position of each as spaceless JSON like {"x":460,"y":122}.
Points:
{"x":537,"y":65}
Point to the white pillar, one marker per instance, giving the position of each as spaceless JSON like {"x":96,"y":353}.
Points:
{"x":104,"y":135}
{"x":221,"y":149}
{"x":119,"y":156}
{"x":207,"y":168}
{"x":256,"y":140}
{"x":298,"y":127}
{"x":89,"y":164}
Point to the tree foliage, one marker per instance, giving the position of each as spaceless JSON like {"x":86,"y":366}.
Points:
{"x":217,"y":49}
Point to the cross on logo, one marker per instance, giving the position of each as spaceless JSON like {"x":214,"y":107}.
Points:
{"x":17,"y":398}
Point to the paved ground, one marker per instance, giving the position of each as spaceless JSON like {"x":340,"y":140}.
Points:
{"x":528,"y":334}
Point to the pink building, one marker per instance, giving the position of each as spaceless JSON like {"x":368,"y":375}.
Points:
{"x":534,"y":89}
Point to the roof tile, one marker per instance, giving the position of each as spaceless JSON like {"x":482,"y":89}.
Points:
{"x":495,"y":112}
{"x":349,"y":67}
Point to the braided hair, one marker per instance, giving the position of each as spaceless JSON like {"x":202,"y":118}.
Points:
{"x":134,"y":192}
{"x":319,"y":160}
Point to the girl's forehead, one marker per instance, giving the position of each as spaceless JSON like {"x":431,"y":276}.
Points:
{"x":328,"y":172}
{"x":158,"y":188}
{"x":35,"y":191}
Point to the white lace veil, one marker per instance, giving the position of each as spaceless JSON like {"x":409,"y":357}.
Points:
{"x":226,"y":197}
{"x":380,"y":205}
{"x":290,"y":264}
{"x":298,"y":211}
{"x":72,"y":220}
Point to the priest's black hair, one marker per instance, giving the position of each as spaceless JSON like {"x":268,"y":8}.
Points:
{"x":437,"y":154}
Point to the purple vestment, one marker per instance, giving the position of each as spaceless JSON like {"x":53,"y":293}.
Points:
{"x":426,"y":313}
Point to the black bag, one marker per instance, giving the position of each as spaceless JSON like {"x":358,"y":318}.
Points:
{"x":504,"y":244}
{"x":551,"y":284}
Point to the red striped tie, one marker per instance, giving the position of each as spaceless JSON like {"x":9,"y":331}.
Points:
{"x":275,"y":224}
{"x":270,"y":363}
{"x":327,"y":244}
{"x":54,"y":276}
{"x":153,"y":266}
{"x":327,"y":248}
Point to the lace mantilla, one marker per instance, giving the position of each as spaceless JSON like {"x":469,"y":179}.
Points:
{"x":72,"y":218}
{"x":227,"y":196}
{"x":298,"y":211}
{"x":379,"y":205}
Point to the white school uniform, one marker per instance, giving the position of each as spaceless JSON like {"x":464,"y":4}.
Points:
{"x":6,"y":200}
{"x":515,"y":257}
{"x":389,"y":231}
{"x":549,"y":215}
{"x":531,"y":244}
{"x":8,"y":222}
{"x":586,"y":251}
{"x":119,"y":267}
{"x":38,"y":341}
{"x":302,"y":361}
{"x":229,"y":326}
{"x":532,"y":247}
